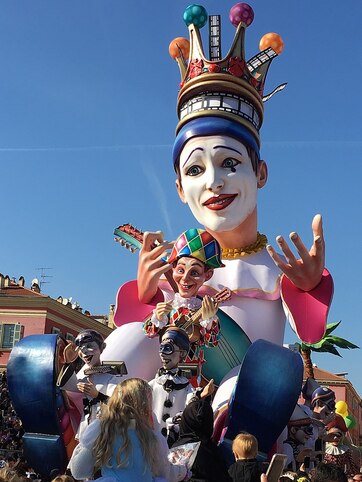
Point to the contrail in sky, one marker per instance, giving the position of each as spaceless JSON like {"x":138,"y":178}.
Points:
{"x":157,"y":192}
{"x":120,"y":147}
{"x":82,"y":148}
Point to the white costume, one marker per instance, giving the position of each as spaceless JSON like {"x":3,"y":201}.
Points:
{"x":105,"y":383}
{"x":170,"y":394}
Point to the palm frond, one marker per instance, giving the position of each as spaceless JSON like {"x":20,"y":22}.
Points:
{"x":341,"y":342}
{"x":331,"y":327}
{"x":327,"y":348}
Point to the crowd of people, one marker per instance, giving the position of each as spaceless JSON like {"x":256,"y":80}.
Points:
{"x":11,"y":429}
{"x":162,"y":430}
{"x":123,"y":445}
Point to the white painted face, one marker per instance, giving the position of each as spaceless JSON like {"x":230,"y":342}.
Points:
{"x":217,"y":182}
{"x":90,"y":353}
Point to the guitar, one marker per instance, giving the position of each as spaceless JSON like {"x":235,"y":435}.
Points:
{"x":191,"y":323}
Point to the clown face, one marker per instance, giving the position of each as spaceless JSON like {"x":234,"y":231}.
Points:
{"x":171,"y":355}
{"x":190,"y":274}
{"x":335,"y":436}
{"x":90,"y":353}
{"x":218,"y":182}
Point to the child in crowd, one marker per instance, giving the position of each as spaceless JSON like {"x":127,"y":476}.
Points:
{"x":122,"y":443}
{"x":246,"y":468}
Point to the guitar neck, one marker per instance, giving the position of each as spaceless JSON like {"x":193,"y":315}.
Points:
{"x":171,"y":281}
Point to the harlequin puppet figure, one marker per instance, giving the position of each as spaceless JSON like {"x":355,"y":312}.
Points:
{"x":171,"y":389}
{"x":300,"y":430}
{"x":94,"y":380}
{"x":336,"y":452}
{"x":193,"y":258}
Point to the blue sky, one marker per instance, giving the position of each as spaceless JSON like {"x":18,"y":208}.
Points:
{"x":87,"y":117}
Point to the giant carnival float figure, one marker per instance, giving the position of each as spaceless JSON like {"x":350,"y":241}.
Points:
{"x":216,"y":156}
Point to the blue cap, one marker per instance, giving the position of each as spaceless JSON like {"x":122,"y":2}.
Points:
{"x":211,"y":126}
{"x":179,"y":337}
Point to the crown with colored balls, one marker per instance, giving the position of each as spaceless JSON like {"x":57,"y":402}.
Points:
{"x":230,"y":87}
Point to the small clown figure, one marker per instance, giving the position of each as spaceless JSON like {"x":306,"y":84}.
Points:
{"x":171,"y":389}
{"x":193,"y":258}
{"x":336,"y":451}
{"x":300,"y":430}
{"x":95,"y":381}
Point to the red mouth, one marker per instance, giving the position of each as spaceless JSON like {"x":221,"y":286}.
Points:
{"x":216,"y":203}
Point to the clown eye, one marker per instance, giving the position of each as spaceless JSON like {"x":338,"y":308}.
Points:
{"x":193,"y":171}
{"x":230,"y":163}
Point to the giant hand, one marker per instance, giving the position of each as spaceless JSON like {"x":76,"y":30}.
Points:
{"x":150,"y":265}
{"x":305,"y":272}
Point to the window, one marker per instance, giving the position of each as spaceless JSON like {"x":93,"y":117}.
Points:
{"x":10,"y":333}
{"x":70,"y":337}
{"x":56,"y":331}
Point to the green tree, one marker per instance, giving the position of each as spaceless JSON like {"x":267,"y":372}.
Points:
{"x":327,"y":344}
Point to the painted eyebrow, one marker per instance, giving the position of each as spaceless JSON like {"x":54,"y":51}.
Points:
{"x":193,"y":150}
{"x":230,"y":149}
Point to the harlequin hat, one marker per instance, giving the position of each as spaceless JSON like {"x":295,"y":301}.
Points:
{"x":322,"y":393}
{"x":198,"y":244}
{"x":179,"y":336}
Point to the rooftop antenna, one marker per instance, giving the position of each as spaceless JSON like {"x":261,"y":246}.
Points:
{"x":44,"y":276}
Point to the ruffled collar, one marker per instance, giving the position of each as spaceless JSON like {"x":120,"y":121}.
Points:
{"x":192,"y":303}
{"x":333,"y":450}
{"x":173,"y":375}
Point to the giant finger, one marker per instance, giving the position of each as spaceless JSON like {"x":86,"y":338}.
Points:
{"x":149,"y":239}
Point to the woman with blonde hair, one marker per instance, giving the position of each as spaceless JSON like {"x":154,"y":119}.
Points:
{"x":122,"y":443}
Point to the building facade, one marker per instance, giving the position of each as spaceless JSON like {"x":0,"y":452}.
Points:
{"x":26,"y":311}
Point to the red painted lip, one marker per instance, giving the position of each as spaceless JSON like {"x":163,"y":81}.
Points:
{"x":216,"y":203}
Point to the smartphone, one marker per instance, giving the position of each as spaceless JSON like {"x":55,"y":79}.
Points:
{"x":276,"y":467}
{"x":306,"y":463}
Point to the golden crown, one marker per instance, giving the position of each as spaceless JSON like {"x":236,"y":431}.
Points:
{"x":229,"y":87}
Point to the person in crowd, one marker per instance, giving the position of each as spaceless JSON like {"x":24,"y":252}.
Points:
{"x":8,"y":474}
{"x":246,"y":467}
{"x":328,"y":472}
{"x":196,"y":425}
{"x":63,"y":478}
{"x":122,"y":443}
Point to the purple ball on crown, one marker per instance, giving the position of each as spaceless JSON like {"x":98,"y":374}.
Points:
{"x":241,"y":12}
